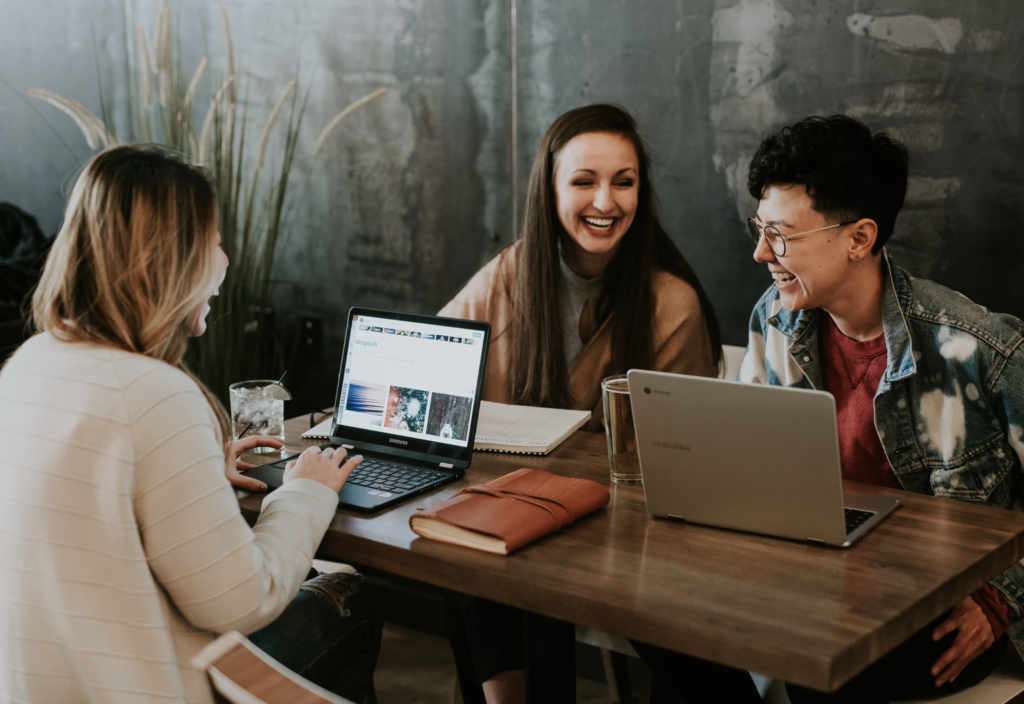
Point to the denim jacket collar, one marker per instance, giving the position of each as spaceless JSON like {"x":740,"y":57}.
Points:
{"x":895,"y":300}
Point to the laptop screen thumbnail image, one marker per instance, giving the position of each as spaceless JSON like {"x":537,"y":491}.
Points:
{"x":411,"y":382}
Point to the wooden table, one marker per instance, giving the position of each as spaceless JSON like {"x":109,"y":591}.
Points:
{"x":811,"y":615}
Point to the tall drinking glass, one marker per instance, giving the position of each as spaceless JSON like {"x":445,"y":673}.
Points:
{"x":257,"y":409}
{"x":618,"y":427}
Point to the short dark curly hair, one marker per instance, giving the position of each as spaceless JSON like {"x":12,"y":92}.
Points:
{"x":848,"y":172}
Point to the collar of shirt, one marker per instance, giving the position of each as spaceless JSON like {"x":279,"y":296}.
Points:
{"x":895,"y":300}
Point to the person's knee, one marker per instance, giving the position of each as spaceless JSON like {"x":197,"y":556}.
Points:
{"x":341,"y":589}
{"x":358,"y":620}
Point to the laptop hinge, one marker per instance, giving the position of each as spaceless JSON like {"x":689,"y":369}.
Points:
{"x":815,"y":540}
{"x":447,"y":465}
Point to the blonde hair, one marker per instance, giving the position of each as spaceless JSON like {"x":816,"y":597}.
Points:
{"x":135,"y":256}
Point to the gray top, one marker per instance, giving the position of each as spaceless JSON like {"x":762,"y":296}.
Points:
{"x":574,"y":293}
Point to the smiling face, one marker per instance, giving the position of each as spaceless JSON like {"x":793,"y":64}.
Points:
{"x":597,"y":187}
{"x":196,"y":321}
{"x":814,"y":269}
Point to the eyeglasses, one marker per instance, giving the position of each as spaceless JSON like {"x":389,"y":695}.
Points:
{"x":776,"y":240}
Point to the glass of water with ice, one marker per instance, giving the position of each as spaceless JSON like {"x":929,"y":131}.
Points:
{"x":257,"y":408}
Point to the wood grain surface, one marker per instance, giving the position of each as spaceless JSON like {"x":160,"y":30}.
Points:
{"x":809,"y":614}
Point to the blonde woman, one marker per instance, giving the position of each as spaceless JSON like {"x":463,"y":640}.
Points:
{"x":122,"y":548}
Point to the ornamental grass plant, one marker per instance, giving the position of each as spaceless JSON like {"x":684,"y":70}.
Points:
{"x":241,"y":341}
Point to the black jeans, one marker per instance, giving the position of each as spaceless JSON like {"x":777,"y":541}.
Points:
{"x":328,"y":635}
{"x":905,"y":673}
{"x":486,"y":638}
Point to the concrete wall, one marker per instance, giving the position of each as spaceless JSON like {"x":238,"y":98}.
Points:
{"x":707,"y":79}
{"x":408,"y":197}
{"x":414,"y":194}
{"x":48,"y":44}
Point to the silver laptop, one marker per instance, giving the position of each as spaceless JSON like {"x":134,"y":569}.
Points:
{"x":751,"y":457}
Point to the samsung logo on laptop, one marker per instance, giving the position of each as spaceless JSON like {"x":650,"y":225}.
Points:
{"x":671,"y":445}
{"x":398,"y":442}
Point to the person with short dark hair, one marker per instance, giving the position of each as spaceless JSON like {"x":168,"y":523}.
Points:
{"x":927,"y":387}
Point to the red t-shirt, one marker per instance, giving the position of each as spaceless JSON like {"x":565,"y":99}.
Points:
{"x":852,"y":371}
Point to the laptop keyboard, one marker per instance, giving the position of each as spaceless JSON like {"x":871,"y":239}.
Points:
{"x":855,"y":519}
{"x":393,"y":478}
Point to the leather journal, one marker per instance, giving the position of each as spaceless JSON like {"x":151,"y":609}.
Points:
{"x":505,"y":514}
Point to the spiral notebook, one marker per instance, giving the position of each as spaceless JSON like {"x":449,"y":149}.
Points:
{"x":523,"y":430}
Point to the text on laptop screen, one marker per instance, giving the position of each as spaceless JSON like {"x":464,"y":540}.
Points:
{"x":410,"y":379}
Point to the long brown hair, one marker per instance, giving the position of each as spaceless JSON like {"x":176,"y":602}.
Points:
{"x":539,"y":374}
{"x":135,"y":256}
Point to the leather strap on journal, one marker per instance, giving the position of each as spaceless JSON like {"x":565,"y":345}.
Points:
{"x":561,"y":518}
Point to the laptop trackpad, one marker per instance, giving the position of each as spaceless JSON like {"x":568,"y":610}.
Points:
{"x":355,"y":497}
{"x":269,"y":474}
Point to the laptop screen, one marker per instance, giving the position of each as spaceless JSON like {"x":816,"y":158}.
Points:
{"x":410,"y":382}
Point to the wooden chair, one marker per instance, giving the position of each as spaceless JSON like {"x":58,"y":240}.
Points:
{"x":614,"y":653}
{"x":241,"y":673}
{"x":328,"y":567}
{"x":733,"y":356}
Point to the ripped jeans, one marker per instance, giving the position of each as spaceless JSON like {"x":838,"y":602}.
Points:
{"x":327,"y":634}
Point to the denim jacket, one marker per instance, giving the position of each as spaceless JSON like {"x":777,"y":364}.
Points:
{"x":949,"y":409}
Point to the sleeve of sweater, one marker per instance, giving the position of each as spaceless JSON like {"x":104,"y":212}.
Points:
{"x":218,"y":572}
{"x":681,"y":344}
{"x":475,"y":300}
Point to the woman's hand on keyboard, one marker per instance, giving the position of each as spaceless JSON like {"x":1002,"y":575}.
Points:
{"x":327,"y":466}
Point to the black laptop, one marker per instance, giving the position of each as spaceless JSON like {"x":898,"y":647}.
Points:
{"x":408,"y":399}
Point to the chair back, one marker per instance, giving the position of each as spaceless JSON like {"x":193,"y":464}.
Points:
{"x":241,"y":673}
{"x":732,"y":355}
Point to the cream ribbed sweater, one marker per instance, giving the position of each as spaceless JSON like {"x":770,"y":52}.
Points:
{"x":122,"y":548}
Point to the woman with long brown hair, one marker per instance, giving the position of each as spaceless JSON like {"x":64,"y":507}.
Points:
{"x":593,"y":287}
{"x":123,"y":548}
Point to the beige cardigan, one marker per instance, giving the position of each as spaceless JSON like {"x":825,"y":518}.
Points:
{"x":681,"y":342}
{"x":122,"y":548}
